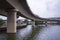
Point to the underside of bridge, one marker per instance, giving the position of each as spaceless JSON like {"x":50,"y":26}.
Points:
{"x":22,"y":6}
{"x":14,"y":8}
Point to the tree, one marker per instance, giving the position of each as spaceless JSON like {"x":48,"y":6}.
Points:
{"x":26,"y":21}
{"x":1,"y":22}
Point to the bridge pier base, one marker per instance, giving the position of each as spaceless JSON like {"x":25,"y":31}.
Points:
{"x":11,"y":21}
{"x":33,"y":23}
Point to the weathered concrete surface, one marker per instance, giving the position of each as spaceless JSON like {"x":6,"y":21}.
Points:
{"x":11,"y":21}
{"x":22,"y":6}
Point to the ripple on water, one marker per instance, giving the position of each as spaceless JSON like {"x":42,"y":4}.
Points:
{"x":3,"y":36}
{"x":23,"y":33}
{"x":49,"y":33}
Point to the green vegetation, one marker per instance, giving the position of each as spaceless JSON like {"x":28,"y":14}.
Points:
{"x":2,"y":21}
{"x":26,"y":21}
{"x":38,"y":22}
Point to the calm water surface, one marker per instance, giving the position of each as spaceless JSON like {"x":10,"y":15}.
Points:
{"x":49,"y":32}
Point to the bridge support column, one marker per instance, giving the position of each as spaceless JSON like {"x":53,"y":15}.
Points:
{"x":33,"y":23}
{"x":11,"y":21}
{"x":45,"y":23}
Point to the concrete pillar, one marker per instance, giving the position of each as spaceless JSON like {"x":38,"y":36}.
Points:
{"x":11,"y":20}
{"x":33,"y":23}
{"x":45,"y":23}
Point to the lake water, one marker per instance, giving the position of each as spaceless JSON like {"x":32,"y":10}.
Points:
{"x":41,"y":32}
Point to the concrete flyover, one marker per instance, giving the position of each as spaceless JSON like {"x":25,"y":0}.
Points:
{"x":23,"y":8}
{"x":12,"y":8}
{"x":15,"y":8}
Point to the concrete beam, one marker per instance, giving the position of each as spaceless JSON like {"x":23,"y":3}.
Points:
{"x":19,"y":5}
{"x":11,"y":21}
{"x":3,"y":13}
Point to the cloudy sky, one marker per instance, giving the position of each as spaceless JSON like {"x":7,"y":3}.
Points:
{"x":44,"y":8}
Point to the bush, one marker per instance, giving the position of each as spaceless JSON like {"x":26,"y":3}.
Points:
{"x":1,"y":21}
{"x":26,"y":21}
